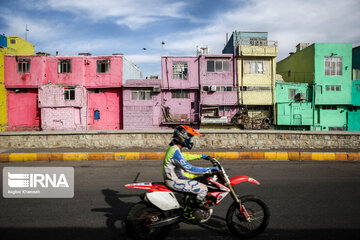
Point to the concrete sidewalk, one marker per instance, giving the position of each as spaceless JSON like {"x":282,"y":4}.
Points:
{"x":13,"y":155}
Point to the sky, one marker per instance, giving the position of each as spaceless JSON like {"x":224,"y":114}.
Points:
{"x":137,"y":28}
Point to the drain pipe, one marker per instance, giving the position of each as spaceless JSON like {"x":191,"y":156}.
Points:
{"x":242,"y":78}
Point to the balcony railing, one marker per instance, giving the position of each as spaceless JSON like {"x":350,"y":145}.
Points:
{"x":257,"y":42}
{"x":257,"y":48}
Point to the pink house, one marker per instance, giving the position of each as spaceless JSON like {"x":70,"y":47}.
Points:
{"x":180,"y":90}
{"x":23,"y":75}
{"x":22,"y":109}
{"x":94,"y":83}
{"x":142,"y":104}
{"x":103,"y":79}
{"x":63,"y":108}
{"x":218,"y":88}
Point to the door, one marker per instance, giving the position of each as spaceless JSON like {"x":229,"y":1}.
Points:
{"x":104,"y":109}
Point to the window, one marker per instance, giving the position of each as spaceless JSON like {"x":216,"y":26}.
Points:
{"x":180,"y":70}
{"x":224,"y":108}
{"x":258,"y":42}
{"x":218,"y":66}
{"x":357,"y":73}
{"x":103,"y":66}
{"x":292,"y":93}
{"x":333,"y":88}
{"x":12,"y":41}
{"x":357,"y":87}
{"x":333,"y":66}
{"x":257,"y":66}
{"x":142,"y":94}
{"x":69,"y":93}
{"x":179,"y":94}
{"x":329,"y":107}
{"x":64,"y":66}
{"x":23,"y":65}
{"x":218,"y":88}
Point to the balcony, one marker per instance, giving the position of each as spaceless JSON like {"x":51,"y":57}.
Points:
{"x":258,"y":48}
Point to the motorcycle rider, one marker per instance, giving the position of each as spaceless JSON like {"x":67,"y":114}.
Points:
{"x":177,"y":171}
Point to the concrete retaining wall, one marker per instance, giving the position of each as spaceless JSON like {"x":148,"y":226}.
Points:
{"x":228,"y":140}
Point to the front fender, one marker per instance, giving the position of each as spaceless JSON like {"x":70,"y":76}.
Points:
{"x":240,"y":179}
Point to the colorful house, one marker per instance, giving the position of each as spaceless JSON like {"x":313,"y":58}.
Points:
{"x":9,"y":46}
{"x":63,"y":108}
{"x":256,"y":65}
{"x":142,"y":104}
{"x":76,"y":87}
{"x":354,"y":110}
{"x":180,"y":91}
{"x":327,"y":68}
{"x":218,"y":89}
{"x":293,"y":106}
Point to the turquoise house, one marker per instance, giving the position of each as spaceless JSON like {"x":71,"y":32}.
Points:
{"x":293,"y":106}
{"x":327,"y":68}
{"x":354,"y":111}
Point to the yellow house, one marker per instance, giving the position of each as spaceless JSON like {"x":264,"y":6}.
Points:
{"x":13,"y":45}
{"x":256,"y":71}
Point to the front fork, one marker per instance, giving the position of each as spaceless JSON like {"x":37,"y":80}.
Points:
{"x":236,"y":199}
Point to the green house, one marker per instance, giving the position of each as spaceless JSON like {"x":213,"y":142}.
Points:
{"x":293,"y":106}
{"x":354,"y":111}
{"x":326,"y":67}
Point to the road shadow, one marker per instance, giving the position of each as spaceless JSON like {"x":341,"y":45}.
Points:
{"x":116,"y":212}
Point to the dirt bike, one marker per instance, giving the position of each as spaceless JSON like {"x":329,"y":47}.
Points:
{"x":160,"y":208}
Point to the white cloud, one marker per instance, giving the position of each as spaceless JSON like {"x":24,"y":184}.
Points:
{"x":39,"y":29}
{"x":132,"y":13}
{"x":288,"y":22}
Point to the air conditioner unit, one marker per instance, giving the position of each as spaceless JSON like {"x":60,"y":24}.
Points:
{"x":300,"y":96}
{"x":212,"y":88}
{"x":156,"y":90}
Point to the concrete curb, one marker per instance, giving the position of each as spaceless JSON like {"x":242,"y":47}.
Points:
{"x":119,"y":156}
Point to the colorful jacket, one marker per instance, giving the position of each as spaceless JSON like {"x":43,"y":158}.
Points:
{"x":176,"y":165}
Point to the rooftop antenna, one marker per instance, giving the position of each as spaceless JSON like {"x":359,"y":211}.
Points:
{"x":26,"y":30}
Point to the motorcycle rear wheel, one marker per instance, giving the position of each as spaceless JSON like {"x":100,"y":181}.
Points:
{"x":139,"y":219}
{"x":259,"y":217}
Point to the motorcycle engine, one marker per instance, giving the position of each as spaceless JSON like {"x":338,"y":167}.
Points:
{"x":201,"y":215}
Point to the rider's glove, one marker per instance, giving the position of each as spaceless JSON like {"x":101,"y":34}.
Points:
{"x":213,"y":169}
{"x":204,"y":156}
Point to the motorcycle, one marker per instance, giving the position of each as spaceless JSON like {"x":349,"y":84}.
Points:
{"x":161,"y":207}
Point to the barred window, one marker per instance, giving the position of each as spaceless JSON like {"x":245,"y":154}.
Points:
{"x":218,"y":88}
{"x":357,"y":73}
{"x":180,"y":70}
{"x":333,"y":88}
{"x":218,"y":66}
{"x":64,"y":66}
{"x":69,"y":93}
{"x":23,"y":65}
{"x":292,"y":93}
{"x":333,"y":66}
{"x":257,"y":66}
{"x":141,"y":94}
{"x":103,"y":66}
{"x":179,"y":94}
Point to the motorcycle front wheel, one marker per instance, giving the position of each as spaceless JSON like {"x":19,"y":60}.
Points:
{"x":259,"y":216}
{"x":139,"y":219}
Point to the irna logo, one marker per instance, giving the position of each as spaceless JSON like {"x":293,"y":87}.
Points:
{"x":19,"y":180}
{"x":38,"y":182}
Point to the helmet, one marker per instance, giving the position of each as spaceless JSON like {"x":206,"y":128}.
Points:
{"x":183,"y":134}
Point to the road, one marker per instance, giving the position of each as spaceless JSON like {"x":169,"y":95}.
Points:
{"x":308,"y":200}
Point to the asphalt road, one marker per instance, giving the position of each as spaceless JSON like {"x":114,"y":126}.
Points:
{"x":307,"y":200}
